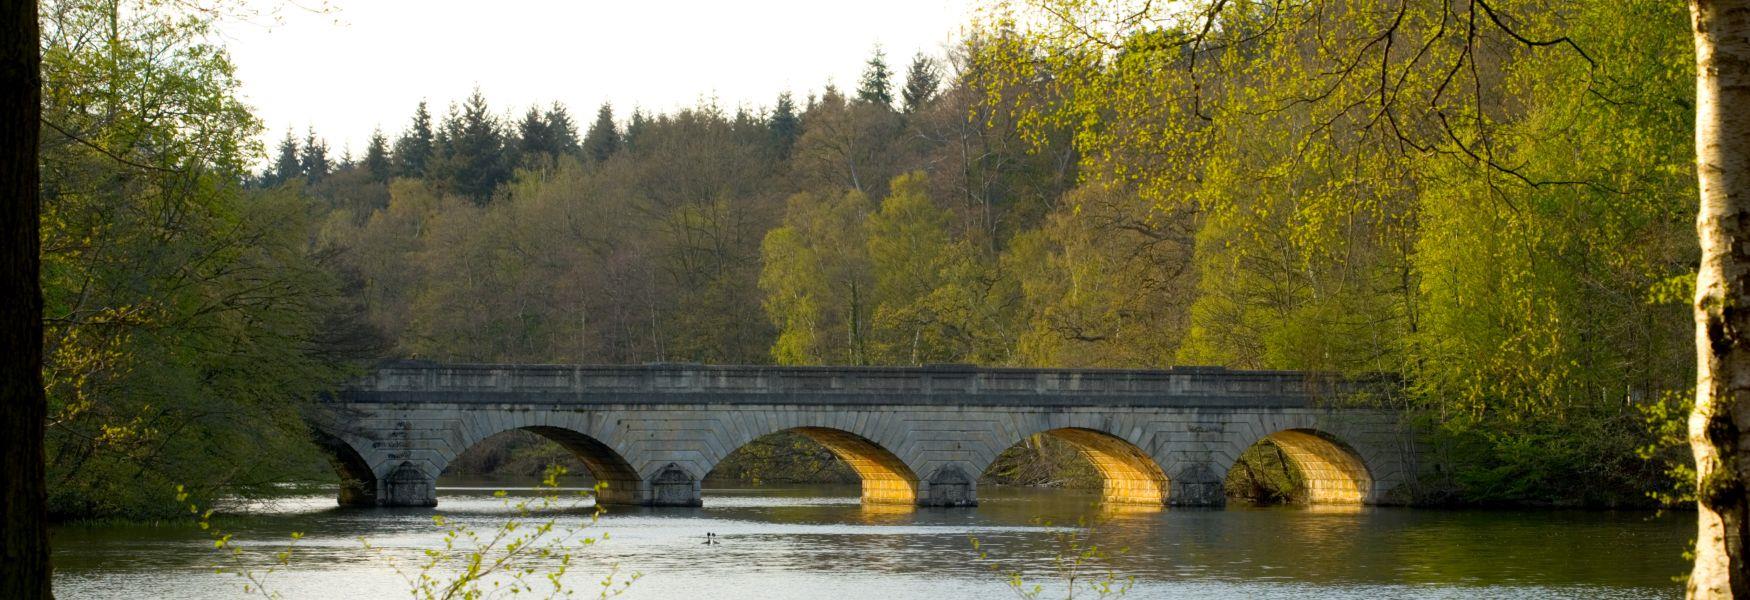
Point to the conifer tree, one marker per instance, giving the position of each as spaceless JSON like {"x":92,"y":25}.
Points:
{"x":472,"y":150}
{"x":921,"y":81}
{"x":377,"y":157}
{"x":561,"y":130}
{"x":534,"y":141}
{"x":635,"y":128}
{"x":414,"y":149}
{"x":315,"y":157}
{"x":785,"y":125}
{"x":603,"y":139}
{"x":877,"y":84}
{"x":288,"y":166}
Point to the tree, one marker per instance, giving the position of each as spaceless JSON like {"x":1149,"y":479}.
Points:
{"x":173,"y":295}
{"x":24,"y":533}
{"x":534,"y":142}
{"x":1722,"y":405}
{"x":785,"y":126}
{"x":848,"y":144}
{"x":921,"y":81}
{"x":377,"y":162}
{"x":636,"y":128}
{"x":817,"y":280}
{"x":289,"y":166}
{"x":415,"y":147}
{"x":561,"y":132}
{"x":876,"y":86}
{"x":1349,"y":218}
{"x":603,"y":139}
{"x":314,"y":160}
{"x":472,"y":151}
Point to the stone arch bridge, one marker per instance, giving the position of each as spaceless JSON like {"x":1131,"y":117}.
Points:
{"x":916,"y":435}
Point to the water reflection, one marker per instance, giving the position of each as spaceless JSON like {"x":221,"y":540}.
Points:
{"x":819,"y":542}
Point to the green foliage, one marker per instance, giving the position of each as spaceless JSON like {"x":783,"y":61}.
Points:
{"x":846,"y":284}
{"x":876,"y":86}
{"x":469,"y":156}
{"x":413,"y":150}
{"x":183,"y":313}
{"x":922,"y":79}
{"x":1384,"y":191}
{"x":603,"y":138}
{"x":376,"y":161}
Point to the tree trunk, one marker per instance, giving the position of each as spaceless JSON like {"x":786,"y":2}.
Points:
{"x":24,"y":558}
{"x":1721,"y":419}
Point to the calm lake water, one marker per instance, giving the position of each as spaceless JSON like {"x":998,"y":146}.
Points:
{"x":818,"y":542}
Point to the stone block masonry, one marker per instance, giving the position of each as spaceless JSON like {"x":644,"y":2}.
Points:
{"x":916,"y":435}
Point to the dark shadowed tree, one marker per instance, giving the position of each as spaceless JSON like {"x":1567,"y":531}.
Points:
{"x":921,"y":81}
{"x":377,"y":157}
{"x":414,"y":149}
{"x":24,"y":539}
{"x":603,"y":139}
{"x":288,"y":166}
{"x":534,"y":143}
{"x":314,"y":160}
{"x":636,"y":128}
{"x":472,"y":151}
{"x":785,"y":126}
{"x":876,"y":87}
{"x":561,"y":131}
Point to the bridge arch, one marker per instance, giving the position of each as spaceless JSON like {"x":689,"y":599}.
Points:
{"x":583,"y":437}
{"x":1332,"y":471}
{"x":1128,"y":475}
{"x":358,"y":481}
{"x":886,"y":479}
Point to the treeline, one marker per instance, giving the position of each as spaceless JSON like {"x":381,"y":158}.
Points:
{"x":671,"y":237}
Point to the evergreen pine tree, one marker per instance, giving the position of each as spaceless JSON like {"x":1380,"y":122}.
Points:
{"x":561,"y":130}
{"x":288,"y":166}
{"x":877,"y":84}
{"x":603,"y":139}
{"x":377,"y":157}
{"x":785,"y":125}
{"x":921,"y":81}
{"x":534,"y":141}
{"x":473,"y":150}
{"x":413,"y":150}
{"x":635,"y":128}
{"x":315,"y":157}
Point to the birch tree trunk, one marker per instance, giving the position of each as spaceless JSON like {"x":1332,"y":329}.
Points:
{"x":1721,"y":418}
{"x":24,"y":540}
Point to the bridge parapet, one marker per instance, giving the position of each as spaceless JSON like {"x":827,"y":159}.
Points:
{"x":960,"y":384}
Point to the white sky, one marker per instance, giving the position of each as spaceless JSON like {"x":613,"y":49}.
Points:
{"x":368,"y":63}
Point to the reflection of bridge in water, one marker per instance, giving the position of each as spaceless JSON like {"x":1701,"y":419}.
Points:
{"x":916,"y":435}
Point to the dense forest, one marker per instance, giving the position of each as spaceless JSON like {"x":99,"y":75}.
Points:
{"x":1514,"y":242}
